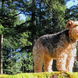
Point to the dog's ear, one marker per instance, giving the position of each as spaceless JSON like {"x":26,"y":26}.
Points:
{"x":70,"y":24}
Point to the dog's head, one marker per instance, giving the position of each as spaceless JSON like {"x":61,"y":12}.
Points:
{"x":73,"y":29}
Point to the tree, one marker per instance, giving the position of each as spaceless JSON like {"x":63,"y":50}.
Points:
{"x":42,"y":16}
{"x":71,"y":13}
{"x":45,"y":17}
{"x":8,"y":19}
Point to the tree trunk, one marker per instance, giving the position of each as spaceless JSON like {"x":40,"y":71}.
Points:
{"x":33,"y":21}
{"x":1,"y":54}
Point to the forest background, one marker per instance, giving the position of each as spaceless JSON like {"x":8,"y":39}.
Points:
{"x":22,"y":22}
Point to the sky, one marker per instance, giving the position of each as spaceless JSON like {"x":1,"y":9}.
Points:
{"x":71,"y":3}
{"x":22,"y":16}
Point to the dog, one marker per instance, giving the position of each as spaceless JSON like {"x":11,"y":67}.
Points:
{"x":60,"y":46}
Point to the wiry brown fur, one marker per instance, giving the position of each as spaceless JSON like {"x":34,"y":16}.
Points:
{"x":60,"y":47}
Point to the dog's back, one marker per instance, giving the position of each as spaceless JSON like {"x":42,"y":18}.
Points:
{"x":54,"y":41}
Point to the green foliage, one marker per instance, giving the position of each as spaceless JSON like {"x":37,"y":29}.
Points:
{"x":51,"y":16}
{"x":24,"y":39}
{"x":71,"y":13}
{"x":27,"y":62}
{"x":17,"y":61}
{"x":1,"y":29}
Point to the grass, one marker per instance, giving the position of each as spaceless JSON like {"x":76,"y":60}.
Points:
{"x":43,"y":75}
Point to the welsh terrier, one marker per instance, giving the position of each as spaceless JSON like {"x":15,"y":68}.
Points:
{"x":60,"y":46}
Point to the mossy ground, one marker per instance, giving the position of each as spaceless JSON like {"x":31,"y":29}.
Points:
{"x":43,"y":75}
